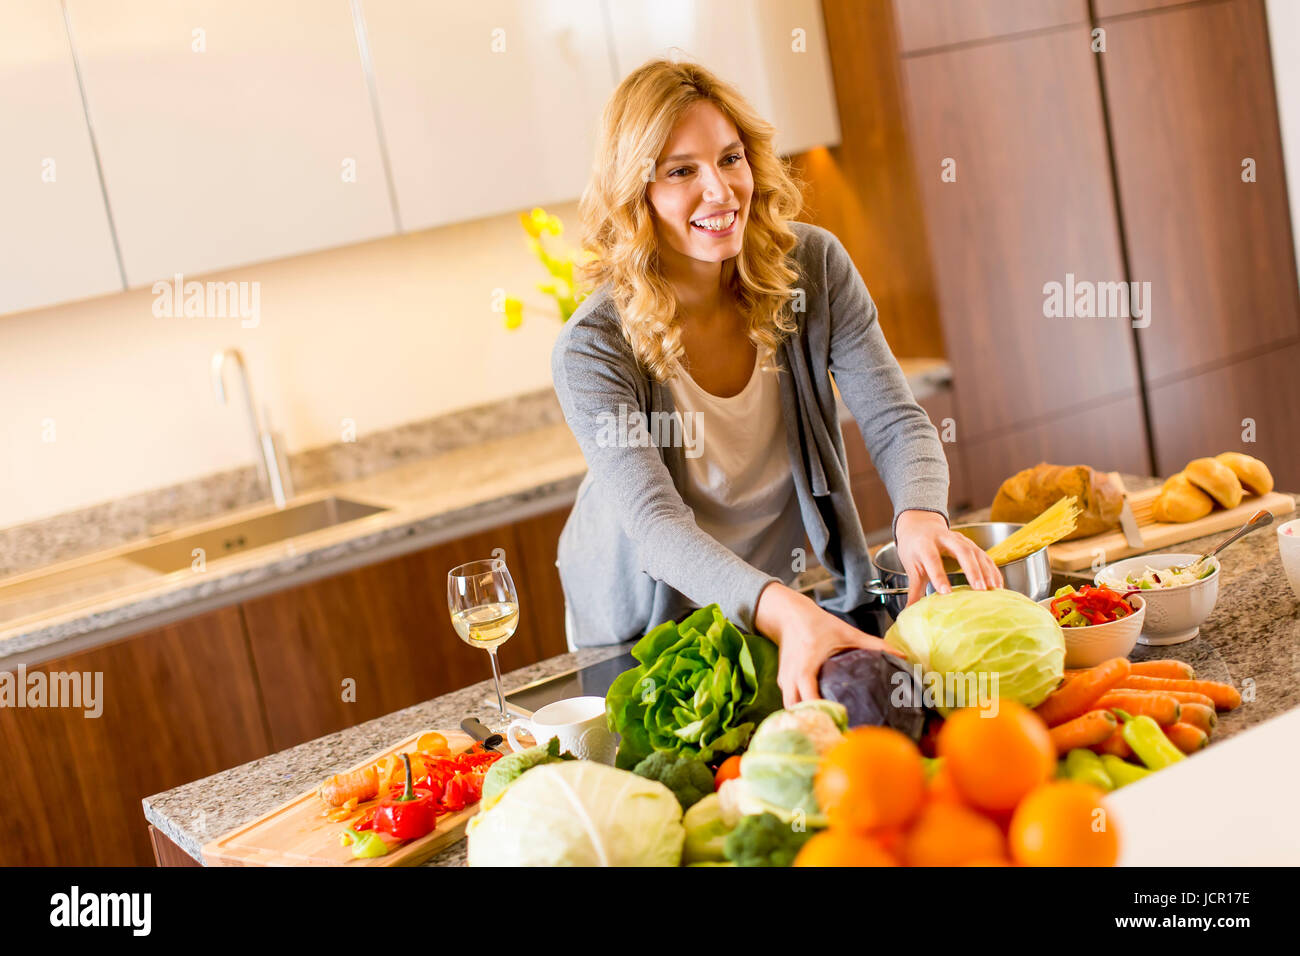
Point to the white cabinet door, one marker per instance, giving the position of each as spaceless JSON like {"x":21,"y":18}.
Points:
{"x":773,"y":51}
{"x":487,"y":107}
{"x":230,"y":132}
{"x":55,"y":241}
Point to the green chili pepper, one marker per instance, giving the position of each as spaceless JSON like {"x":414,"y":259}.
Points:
{"x":1121,"y":772}
{"x":1148,"y":741}
{"x":366,"y":845}
{"x":1086,"y":767}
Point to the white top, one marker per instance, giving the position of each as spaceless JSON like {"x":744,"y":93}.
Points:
{"x":738,"y":477}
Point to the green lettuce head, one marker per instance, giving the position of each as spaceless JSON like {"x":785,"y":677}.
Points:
{"x":700,"y":689}
{"x":986,"y":635}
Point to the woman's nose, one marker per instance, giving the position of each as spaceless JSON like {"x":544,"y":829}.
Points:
{"x":716,"y":188}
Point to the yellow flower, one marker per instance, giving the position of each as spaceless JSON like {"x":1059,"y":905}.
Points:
{"x":514,"y":312}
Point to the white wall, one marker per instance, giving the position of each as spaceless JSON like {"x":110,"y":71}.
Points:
{"x":384,"y":333}
{"x":1284,"y":37}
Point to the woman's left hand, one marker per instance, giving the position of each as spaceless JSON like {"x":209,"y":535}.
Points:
{"x":923,"y":537}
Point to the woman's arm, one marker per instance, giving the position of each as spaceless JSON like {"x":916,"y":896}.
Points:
{"x":590,"y":370}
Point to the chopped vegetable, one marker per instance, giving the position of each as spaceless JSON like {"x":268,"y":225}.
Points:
{"x":1149,"y":742}
{"x":410,"y":816}
{"x":764,"y":840}
{"x":1150,"y":579}
{"x":689,"y":779}
{"x":1088,"y":606}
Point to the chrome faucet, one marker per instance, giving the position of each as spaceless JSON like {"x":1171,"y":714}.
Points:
{"x":272,"y":467}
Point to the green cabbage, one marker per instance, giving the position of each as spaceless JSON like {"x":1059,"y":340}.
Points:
{"x":985,"y":634}
{"x":579,"y":813}
{"x":776,"y":772}
{"x":701,"y":687}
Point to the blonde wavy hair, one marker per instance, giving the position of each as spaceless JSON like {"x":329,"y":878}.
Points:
{"x":618,"y":228}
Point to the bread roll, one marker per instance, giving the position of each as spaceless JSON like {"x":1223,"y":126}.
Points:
{"x":1251,"y":472}
{"x":1027,"y":494}
{"x":1216,"y":479}
{"x":1180,"y":500}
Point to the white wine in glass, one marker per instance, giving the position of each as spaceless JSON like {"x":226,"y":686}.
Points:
{"x":484,"y":610}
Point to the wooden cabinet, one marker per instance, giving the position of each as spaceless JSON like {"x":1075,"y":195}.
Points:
{"x":487,"y":108}
{"x":230,"y":132}
{"x":55,"y":243}
{"x":346,"y":649}
{"x":1191,"y":98}
{"x":785,"y":76}
{"x":178,"y":703}
{"x":1019,"y":124}
{"x":924,"y":24}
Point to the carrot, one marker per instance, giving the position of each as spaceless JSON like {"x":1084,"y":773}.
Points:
{"x":358,"y":784}
{"x":1199,"y":716}
{"x":1163,"y":710}
{"x":1225,"y":696}
{"x":1186,"y":738}
{"x":1092,"y":728}
{"x":1182,"y":696}
{"x":1175,"y":670}
{"x":1115,"y":744}
{"x":1078,"y":695}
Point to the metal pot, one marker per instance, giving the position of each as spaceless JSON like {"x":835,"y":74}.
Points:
{"x":1031,"y":576}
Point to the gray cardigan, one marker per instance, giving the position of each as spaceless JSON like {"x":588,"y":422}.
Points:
{"x":631,"y":555}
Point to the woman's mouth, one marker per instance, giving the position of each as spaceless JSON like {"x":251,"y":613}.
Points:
{"x":720,"y":225}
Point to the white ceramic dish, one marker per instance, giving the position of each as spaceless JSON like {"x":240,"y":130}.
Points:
{"x":1174,"y":615}
{"x":1288,"y":545}
{"x":1089,"y":646}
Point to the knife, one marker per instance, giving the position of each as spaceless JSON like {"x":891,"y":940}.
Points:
{"x":1128,"y":523}
{"x":484,"y":735}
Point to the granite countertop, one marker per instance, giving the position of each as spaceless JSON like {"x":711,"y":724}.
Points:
{"x":1252,"y":639}
{"x":199,"y":812}
{"x":103,"y":596}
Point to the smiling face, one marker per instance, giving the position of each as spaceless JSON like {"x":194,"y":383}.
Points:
{"x":702,"y":187}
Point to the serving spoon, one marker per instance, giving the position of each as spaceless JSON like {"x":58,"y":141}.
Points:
{"x":1260,"y":519}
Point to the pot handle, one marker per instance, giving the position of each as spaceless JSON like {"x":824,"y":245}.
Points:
{"x":877,"y":587}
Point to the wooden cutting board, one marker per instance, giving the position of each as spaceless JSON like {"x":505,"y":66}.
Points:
{"x":297,"y":835}
{"x":1157,"y":536}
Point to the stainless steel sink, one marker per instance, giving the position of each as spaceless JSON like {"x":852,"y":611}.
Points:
{"x":82,"y":578}
{"x":276,"y":526}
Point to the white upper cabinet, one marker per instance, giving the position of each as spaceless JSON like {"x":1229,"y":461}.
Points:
{"x":55,"y":241}
{"x":487,"y":107}
{"x":230,"y":132}
{"x":773,"y":51}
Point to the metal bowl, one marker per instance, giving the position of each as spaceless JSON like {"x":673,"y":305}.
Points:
{"x":1031,"y":576}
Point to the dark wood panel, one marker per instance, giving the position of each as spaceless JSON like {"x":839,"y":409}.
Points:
{"x":1202,"y":415}
{"x":1191,"y":95}
{"x":179,"y":703}
{"x":865,"y":190}
{"x":541,"y":597}
{"x":385,"y":627}
{"x":1107,"y":436}
{"x":1031,"y":204}
{"x":166,"y":852}
{"x":1119,"y":8}
{"x":929,"y":23}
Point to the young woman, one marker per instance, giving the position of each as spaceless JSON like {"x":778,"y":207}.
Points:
{"x":697,"y":380}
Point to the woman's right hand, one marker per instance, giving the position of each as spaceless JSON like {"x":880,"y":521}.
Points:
{"x":807,"y":635}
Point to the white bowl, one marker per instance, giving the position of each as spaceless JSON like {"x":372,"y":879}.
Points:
{"x":1288,"y":544}
{"x":1090,"y":645}
{"x":1174,"y":615}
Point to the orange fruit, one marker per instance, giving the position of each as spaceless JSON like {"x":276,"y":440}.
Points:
{"x":873,"y":777}
{"x":988,"y":861}
{"x":843,"y":848}
{"x":947,"y":834}
{"x":995,"y":759}
{"x":941,"y":787}
{"x":1064,"y":823}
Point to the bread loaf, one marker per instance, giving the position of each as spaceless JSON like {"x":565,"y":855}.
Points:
{"x":1027,"y":494}
{"x":1180,"y":500}
{"x":1251,"y":472}
{"x":1215,"y":479}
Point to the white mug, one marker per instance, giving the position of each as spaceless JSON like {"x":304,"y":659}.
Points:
{"x":579,"y":722}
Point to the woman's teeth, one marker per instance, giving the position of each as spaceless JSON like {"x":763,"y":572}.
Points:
{"x":717,"y":223}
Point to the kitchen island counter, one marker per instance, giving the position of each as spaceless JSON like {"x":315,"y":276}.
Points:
{"x":1252,"y":639}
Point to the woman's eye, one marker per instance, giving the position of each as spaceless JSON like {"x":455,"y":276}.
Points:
{"x":732,"y":159}
{"x":682,"y":170}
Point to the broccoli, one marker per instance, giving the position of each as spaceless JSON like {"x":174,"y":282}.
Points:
{"x":689,"y":779}
{"x":763,"y":840}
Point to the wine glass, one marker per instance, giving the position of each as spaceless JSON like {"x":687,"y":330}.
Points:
{"x":484,"y":610}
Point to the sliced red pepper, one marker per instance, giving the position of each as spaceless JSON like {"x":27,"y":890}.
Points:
{"x":410,"y":816}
